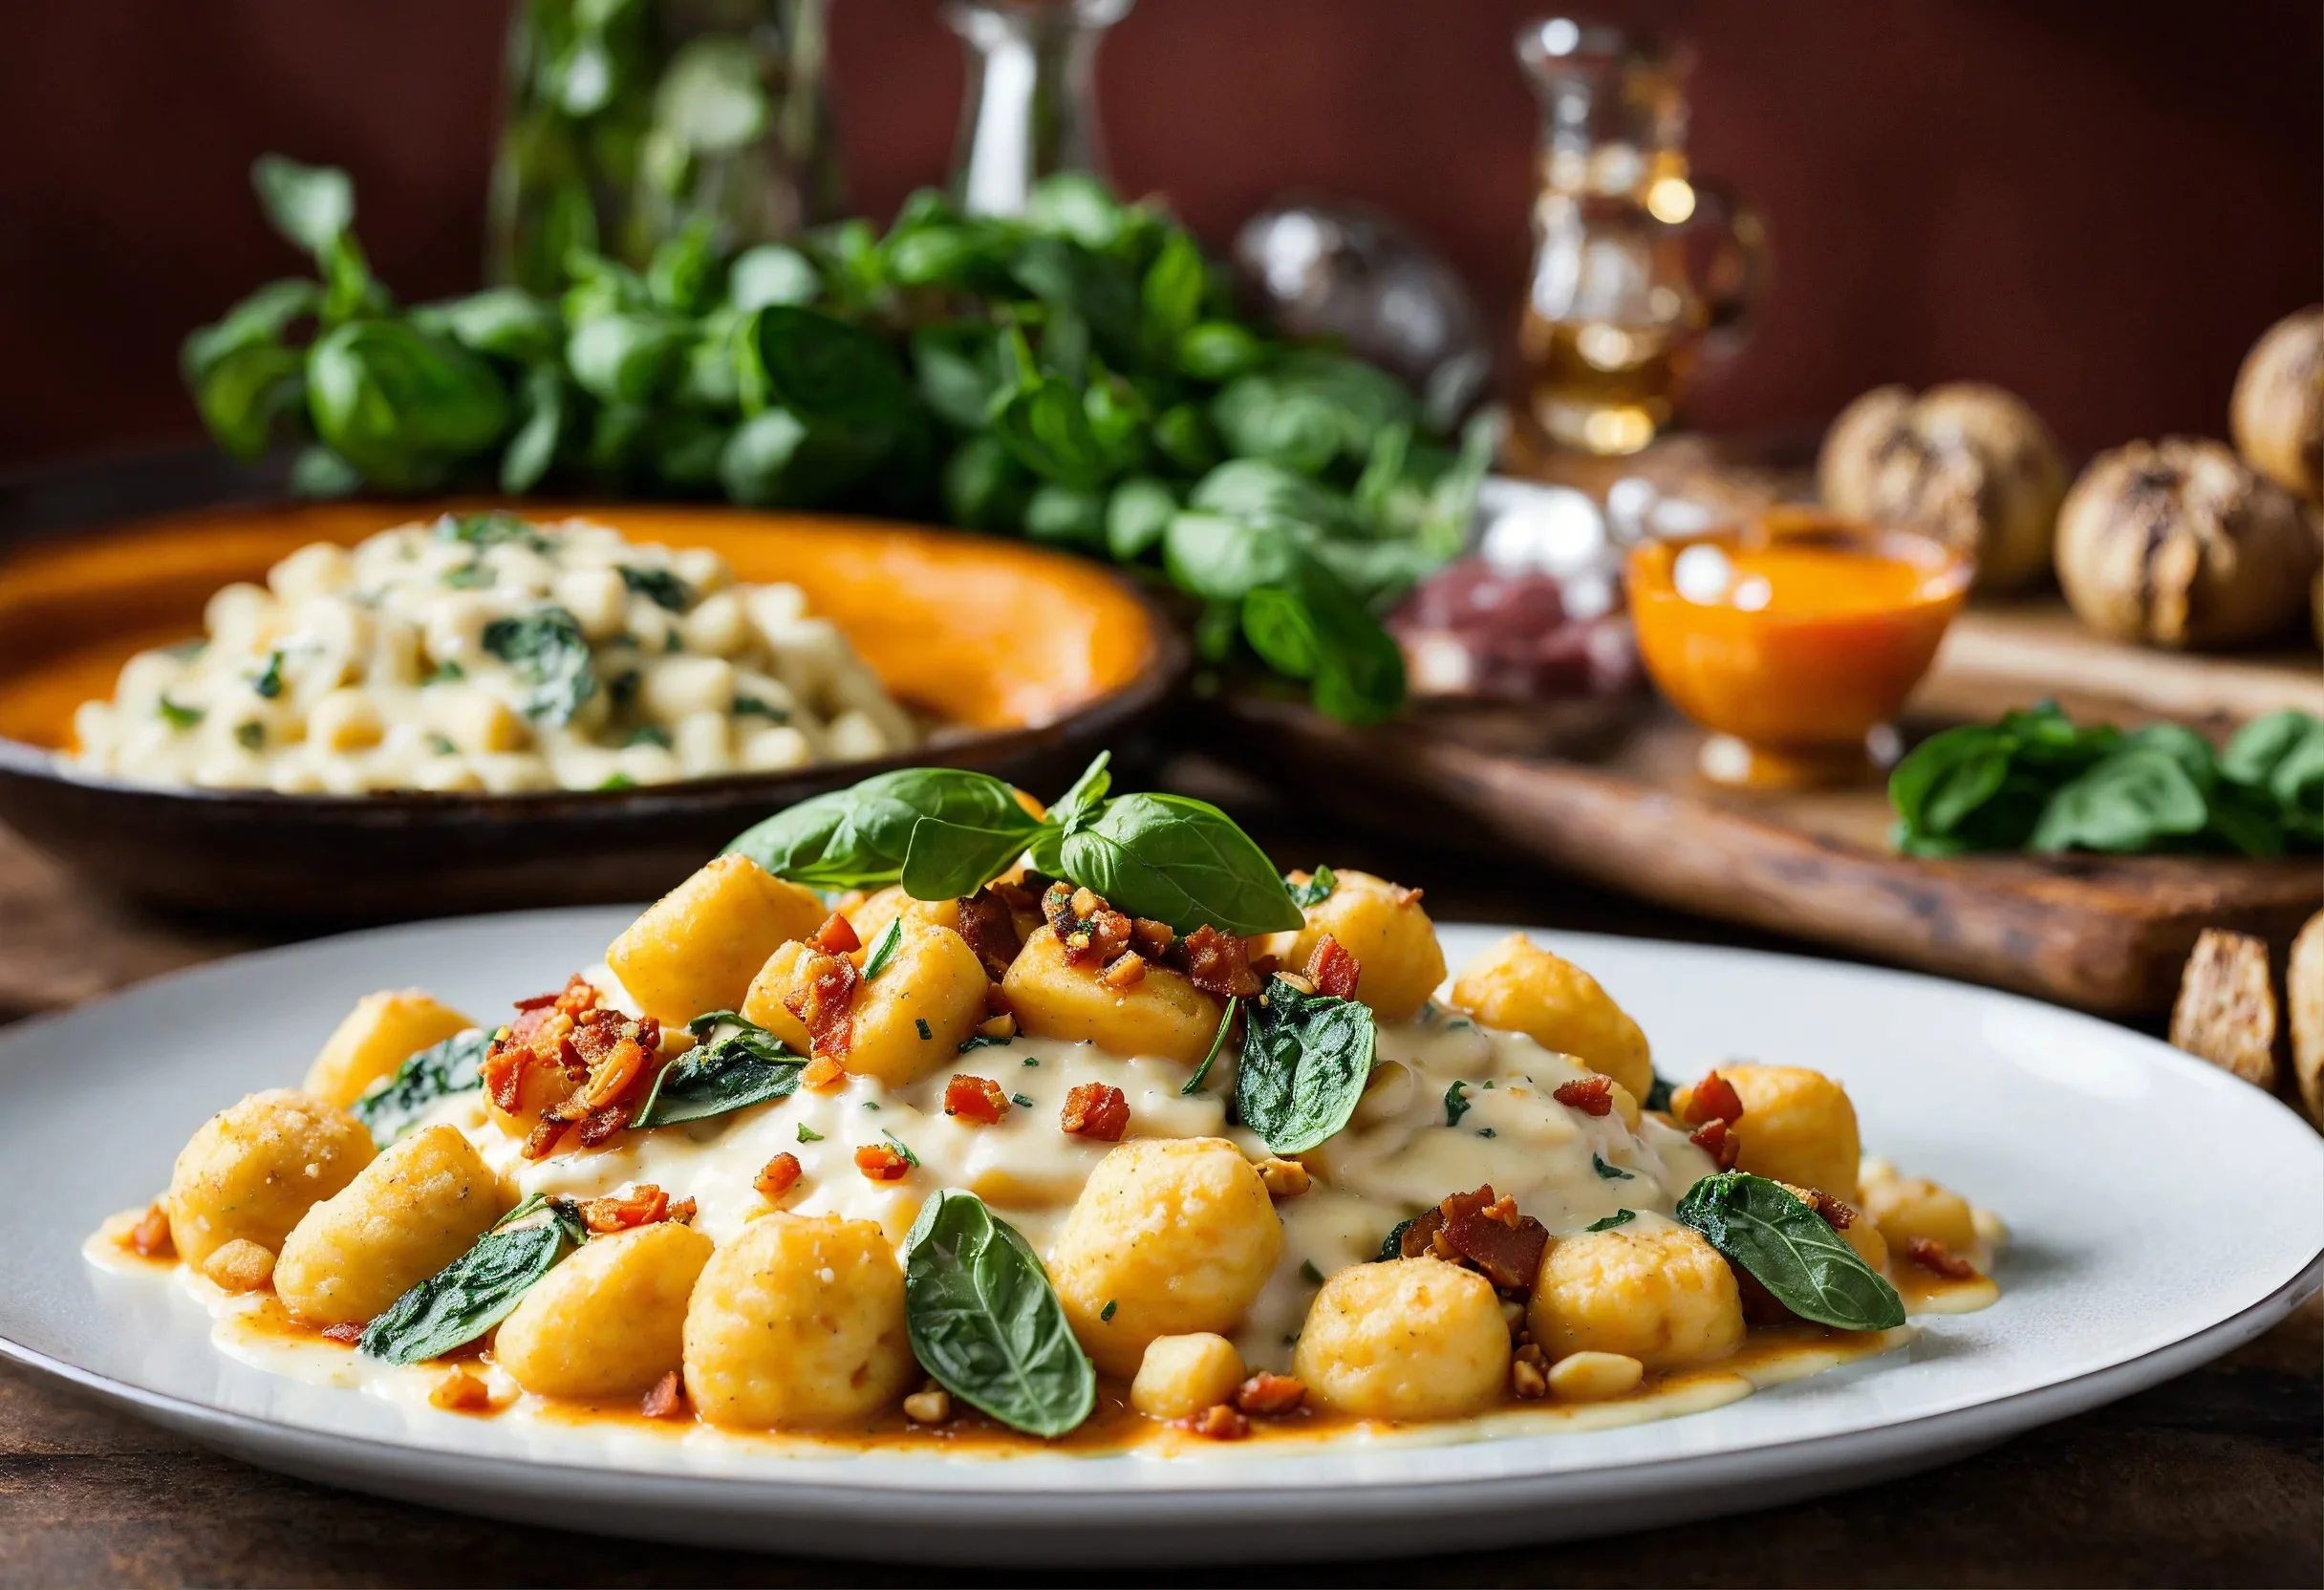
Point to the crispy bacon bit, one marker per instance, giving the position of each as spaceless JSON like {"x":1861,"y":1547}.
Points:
{"x":641,"y":1205}
{"x":1714,"y":1099}
{"x":603,"y":1124}
{"x":990,"y":928}
{"x":1715,"y":1139}
{"x":1491,"y":1237}
{"x":1283,"y":1178}
{"x":1266,"y":966}
{"x":348,"y":1331}
{"x":824,"y":1075}
{"x":1150,"y":938}
{"x":836,"y":937}
{"x":667,"y":1400}
{"x":822,"y":996}
{"x":1836,"y":1212}
{"x":544,"y":1137}
{"x":1526,"y":1382}
{"x":1590,"y":1095}
{"x":1267,"y":1395}
{"x":976,"y":1098}
{"x":1419,"y":1238}
{"x":1091,"y":932}
{"x":777,"y":1176}
{"x":682,"y":1212}
{"x":882,"y":1163}
{"x":611,"y":1076}
{"x":1096,"y":1110}
{"x":1216,"y":963}
{"x":537,"y":1002}
{"x":1125,"y":970}
{"x":1221,"y":1423}
{"x":460,"y":1392}
{"x":150,"y":1236}
{"x":1332,"y":969}
{"x":1938,"y":1260}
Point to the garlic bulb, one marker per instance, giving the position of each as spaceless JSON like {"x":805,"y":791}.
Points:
{"x":2277,"y":416}
{"x":1967,"y":462}
{"x":2178,"y":543}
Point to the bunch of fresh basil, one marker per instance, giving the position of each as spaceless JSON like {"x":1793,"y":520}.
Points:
{"x":1077,"y":376}
{"x":2035,"y":781}
{"x":943,"y":832}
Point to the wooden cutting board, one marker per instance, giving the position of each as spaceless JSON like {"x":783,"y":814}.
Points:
{"x":2106,"y":934}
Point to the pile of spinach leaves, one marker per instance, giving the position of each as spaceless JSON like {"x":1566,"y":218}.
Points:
{"x":1077,"y":376}
{"x":2035,"y":781}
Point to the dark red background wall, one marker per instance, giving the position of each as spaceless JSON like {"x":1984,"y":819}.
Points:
{"x":2094,"y":202}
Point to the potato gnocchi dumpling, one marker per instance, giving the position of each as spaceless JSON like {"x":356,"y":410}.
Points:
{"x":697,"y":947}
{"x":1798,"y":1126}
{"x":1520,"y":987}
{"x":409,"y":1213}
{"x":253,"y":1171}
{"x":1162,"y":1013}
{"x":1908,"y":1207}
{"x":798,"y":1322}
{"x":1653,"y":1290}
{"x":382,"y":1032}
{"x":1409,"y":1340}
{"x":1171,"y":1235}
{"x":609,"y":1322}
{"x":1382,"y":925}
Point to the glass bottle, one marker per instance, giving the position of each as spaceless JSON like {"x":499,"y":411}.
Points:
{"x":1637,"y":262}
{"x":627,"y":119}
{"x":1031,"y":105}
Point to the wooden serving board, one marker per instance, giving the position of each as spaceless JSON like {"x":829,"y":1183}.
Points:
{"x":2106,"y":934}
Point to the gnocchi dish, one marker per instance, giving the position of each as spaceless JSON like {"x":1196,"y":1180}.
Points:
{"x":485,"y":652}
{"x":926,"y":1116}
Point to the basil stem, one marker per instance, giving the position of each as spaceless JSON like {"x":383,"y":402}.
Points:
{"x":1305,"y":1059}
{"x":395,"y":1105}
{"x":1787,"y":1248}
{"x":737,"y":1063}
{"x":984,"y":1321}
{"x":1218,"y":1041}
{"x":480,"y":1288}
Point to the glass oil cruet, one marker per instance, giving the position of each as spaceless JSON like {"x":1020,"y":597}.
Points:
{"x":1637,"y":262}
{"x":1031,"y":105}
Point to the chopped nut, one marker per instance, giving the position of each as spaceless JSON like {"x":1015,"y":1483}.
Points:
{"x":1268,"y":1395}
{"x":1589,"y":1377}
{"x":1094,"y":1109}
{"x":150,"y":1236}
{"x":2226,"y":1010}
{"x":1284,"y":1178}
{"x":1530,"y":1352}
{"x":976,"y":1098}
{"x":882,"y":1163}
{"x":1128,"y":970}
{"x":1002,"y":1025}
{"x":667,"y":1400}
{"x":778,"y":1176}
{"x":460,"y":1392}
{"x":930,"y":1404}
{"x":1149,"y":937}
{"x":1222,"y":1422}
{"x":1527,"y":1381}
{"x":241,"y":1265}
{"x":1297,"y":980}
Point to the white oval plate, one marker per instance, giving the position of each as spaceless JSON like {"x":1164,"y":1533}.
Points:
{"x":2162,"y":1213}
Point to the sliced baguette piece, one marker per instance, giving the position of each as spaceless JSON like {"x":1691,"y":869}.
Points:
{"x":2304,"y":1003}
{"x":2226,"y":1010}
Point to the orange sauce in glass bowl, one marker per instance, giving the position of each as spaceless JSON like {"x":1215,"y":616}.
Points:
{"x":1791,"y":637}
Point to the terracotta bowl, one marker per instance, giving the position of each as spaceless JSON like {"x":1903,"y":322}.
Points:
{"x":1038,"y":660}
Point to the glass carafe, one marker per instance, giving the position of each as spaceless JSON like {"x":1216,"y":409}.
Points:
{"x":1031,"y":106}
{"x":629,"y":119}
{"x":1638,"y":264}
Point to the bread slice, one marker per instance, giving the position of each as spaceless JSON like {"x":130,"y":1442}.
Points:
{"x":2226,"y":1010}
{"x":2304,"y":1002}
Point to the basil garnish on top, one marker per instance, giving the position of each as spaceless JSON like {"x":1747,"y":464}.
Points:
{"x":984,"y":1321}
{"x":480,"y":1288}
{"x":395,"y":1105}
{"x":1787,"y":1248}
{"x":1316,"y":889}
{"x":1305,"y":1058}
{"x":734,"y":1064}
{"x":862,"y":837}
{"x":1179,"y":861}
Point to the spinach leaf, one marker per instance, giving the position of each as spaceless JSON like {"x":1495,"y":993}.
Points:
{"x":862,"y":837}
{"x":1305,"y":1059}
{"x":736,"y":1065}
{"x":2137,"y":798}
{"x":394,"y":1105}
{"x":659,"y":587}
{"x":984,"y":1321}
{"x":1788,"y":1249}
{"x":1210,"y":1056}
{"x":1315,"y":891}
{"x":2282,"y":757}
{"x":547,"y":650}
{"x":1456,"y":1103}
{"x":1179,"y":861}
{"x":480,"y":1288}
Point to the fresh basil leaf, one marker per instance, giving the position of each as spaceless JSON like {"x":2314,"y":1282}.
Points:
{"x":1086,"y":796}
{"x":402,"y":407}
{"x":984,"y":1321}
{"x":1315,"y":891}
{"x":1217,"y":351}
{"x":2134,"y":800}
{"x":548,"y":651}
{"x":883,"y":949}
{"x":1223,"y":560}
{"x":737,"y":1063}
{"x":243,"y":392}
{"x":627,"y":358}
{"x":478,"y":1290}
{"x":1137,"y":517}
{"x":1620,"y":1218}
{"x":505,"y":322}
{"x":311,"y":205}
{"x":532,"y":450}
{"x":1456,"y":1103}
{"x":770,"y":275}
{"x":1218,"y":1043}
{"x":945,"y":860}
{"x":1173,"y":289}
{"x":1305,"y":1059}
{"x":1066,"y":516}
{"x":860,"y":837}
{"x":1179,"y":861}
{"x":395,"y":1104}
{"x":1787,"y":1248}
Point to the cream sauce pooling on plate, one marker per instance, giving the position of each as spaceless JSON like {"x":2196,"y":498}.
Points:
{"x":1406,"y":1150}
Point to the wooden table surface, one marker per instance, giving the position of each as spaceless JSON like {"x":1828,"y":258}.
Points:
{"x":2214,"y":1478}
